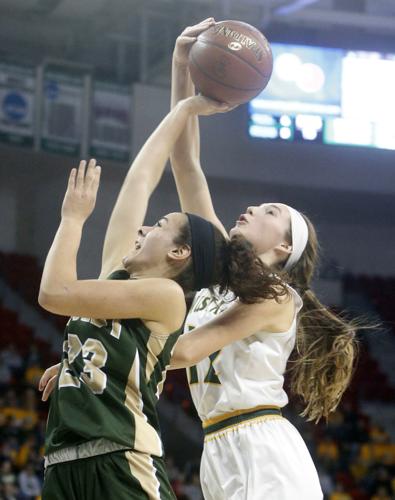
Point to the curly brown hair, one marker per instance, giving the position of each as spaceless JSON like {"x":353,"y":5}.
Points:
{"x":237,"y":268}
{"x":247,"y":276}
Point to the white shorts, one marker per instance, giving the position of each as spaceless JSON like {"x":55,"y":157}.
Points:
{"x":260,"y":459}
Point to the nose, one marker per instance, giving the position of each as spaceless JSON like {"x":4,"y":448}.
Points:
{"x":250,"y":210}
{"x":144,"y":230}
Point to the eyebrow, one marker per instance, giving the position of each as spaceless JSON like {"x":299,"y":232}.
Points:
{"x":275,"y":206}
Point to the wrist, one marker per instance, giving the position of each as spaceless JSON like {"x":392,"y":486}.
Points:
{"x":185,"y":106}
{"x":72,"y":221}
{"x":179,"y":63}
{"x":189,"y":105}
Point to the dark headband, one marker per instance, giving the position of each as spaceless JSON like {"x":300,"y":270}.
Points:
{"x":203,"y":250}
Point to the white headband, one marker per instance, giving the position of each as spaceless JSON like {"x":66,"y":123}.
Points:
{"x":300,"y":235}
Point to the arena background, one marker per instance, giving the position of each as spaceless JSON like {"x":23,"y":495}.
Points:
{"x":349,"y":192}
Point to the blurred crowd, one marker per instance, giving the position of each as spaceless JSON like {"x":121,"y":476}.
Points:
{"x":22,"y":424}
{"x":354,"y":456}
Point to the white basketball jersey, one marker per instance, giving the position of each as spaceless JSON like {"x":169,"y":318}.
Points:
{"x":244,"y":374}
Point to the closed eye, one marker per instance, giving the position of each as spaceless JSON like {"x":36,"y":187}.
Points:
{"x":273,"y":210}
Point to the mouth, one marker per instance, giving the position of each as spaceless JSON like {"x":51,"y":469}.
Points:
{"x":137,"y":245}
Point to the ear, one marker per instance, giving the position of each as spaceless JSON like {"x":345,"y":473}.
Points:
{"x":179,"y":253}
{"x":284,"y":249}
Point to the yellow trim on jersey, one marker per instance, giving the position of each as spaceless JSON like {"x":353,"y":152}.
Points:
{"x":237,"y":413}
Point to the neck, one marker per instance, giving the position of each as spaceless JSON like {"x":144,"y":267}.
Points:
{"x":268,"y":259}
{"x":150,"y":272}
{"x":273,"y":260}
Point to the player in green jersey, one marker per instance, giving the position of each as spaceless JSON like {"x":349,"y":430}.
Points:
{"x":103,"y":434}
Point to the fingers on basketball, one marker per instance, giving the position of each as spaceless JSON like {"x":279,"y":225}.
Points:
{"x":231,"y":63}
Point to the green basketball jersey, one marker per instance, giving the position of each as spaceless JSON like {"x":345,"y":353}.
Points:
{"x":111,"y":376}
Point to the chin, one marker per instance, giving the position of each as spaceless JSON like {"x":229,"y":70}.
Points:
{"x":127,"y":266}
{"x":131,"y":261}
{"x":235,"y":231}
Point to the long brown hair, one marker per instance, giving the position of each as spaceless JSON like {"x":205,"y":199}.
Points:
{"x":325,"y":353}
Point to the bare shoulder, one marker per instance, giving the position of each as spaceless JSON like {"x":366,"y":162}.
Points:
{"x":275,"y":315}
{"x":282,"y":312}
{"x":176,"y":293}
{"x":170,"y":299}
{"x":163,"y":289}
{"x":163,"y":284}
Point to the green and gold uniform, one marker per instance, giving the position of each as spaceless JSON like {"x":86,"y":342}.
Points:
{"x":103,"y":438}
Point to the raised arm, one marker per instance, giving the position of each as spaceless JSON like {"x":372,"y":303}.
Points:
{"x":192,"y":187}
{"x":140,"y":182}
{"x":61,"y":292}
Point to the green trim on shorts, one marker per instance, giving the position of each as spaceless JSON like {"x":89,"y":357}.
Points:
{"x":237,"y":419}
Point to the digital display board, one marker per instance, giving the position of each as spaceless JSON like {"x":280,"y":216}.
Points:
{"x":327,"y":96}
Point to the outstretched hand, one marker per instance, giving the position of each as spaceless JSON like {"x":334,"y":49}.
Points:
{"x":80,"y":197}
{"x":187,"y":38}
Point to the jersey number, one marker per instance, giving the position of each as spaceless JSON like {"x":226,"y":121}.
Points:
{"x":211,"y":375}
{"x":94,"y":356}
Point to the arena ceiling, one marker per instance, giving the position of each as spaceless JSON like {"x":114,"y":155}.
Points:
{"x":129,"y":40}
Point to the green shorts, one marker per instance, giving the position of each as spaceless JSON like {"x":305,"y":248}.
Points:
{"x":121,"y":475}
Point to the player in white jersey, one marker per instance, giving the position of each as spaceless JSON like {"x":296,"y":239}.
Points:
{"x":251,"y":452}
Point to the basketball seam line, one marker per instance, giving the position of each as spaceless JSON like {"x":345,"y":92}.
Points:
{"x":219,"y":81}
{"x":233,"y":53}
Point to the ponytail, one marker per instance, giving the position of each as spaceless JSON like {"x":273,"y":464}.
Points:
{"x":324,"y":358}
{"x":323,"y":361}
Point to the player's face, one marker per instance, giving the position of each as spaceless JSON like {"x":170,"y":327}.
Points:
{"x":153,"y":243}
{"x":264,"y":226}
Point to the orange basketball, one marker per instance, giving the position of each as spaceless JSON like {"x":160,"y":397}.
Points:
{"x":231,"y":62}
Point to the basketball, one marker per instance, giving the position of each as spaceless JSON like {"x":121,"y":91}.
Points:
{"x":231,"y":62}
